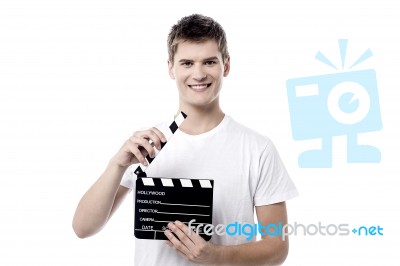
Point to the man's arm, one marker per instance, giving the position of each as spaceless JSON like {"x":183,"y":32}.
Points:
{"x":270,"y":250}
{"x":99,"y":202}
{"x":105,"y":195}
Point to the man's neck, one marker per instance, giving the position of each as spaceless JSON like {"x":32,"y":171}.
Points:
{"x":201,"y":120}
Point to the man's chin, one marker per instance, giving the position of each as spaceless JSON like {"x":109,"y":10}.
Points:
{"x":202,"y":104}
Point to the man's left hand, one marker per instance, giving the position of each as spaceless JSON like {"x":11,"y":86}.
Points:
{"x":190,"y":245}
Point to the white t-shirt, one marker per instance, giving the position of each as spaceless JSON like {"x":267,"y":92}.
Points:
{"x":246,"y":169}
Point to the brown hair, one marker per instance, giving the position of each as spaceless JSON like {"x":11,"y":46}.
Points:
{"x":196,"y":28}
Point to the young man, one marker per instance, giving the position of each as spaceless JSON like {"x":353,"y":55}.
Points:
{"x":244,"y":165}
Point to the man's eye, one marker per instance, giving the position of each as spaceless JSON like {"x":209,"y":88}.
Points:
{"x":187,"y":64}
{"x":210,"y":62}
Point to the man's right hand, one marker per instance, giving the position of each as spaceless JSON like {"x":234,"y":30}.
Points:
{"x":138,"y":146}
{"x":106,"y":194}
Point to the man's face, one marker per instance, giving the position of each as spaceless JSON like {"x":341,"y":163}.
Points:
{"x":198,"y":70}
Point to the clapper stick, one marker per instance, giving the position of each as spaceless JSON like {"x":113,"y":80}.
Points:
{"x":140,"y":170}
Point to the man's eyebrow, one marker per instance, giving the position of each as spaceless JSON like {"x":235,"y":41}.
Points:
{"x":211,"y":58}
{"x":185,"y":60}
{"x":206,"y":59}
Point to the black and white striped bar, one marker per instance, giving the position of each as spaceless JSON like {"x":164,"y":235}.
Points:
{"x":159,"y":201}
{"x":176,"y":182}
{"x":140,"y":170}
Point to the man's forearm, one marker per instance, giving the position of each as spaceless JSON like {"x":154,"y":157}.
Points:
{"x":95,"y":206}
{"x":267,"y":251}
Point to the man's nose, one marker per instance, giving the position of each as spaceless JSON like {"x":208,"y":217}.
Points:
{"x":199,"y":74}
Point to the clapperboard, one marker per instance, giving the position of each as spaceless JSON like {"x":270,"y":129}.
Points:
{"x":160,"y":200}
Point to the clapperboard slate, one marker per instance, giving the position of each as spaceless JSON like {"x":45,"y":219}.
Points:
{"x":160,"y":200}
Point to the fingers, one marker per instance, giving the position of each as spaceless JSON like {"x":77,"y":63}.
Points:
{"x":182,"y":241}
{"x":153,"y":134}
{"x":131,"y":147}
{"x":159,"y":134}
{"x":188,"y":244}
{"x":177,"y":244}
{"x":138,"y":146}
{"x":194,"y":237}
{"x":142,"y":143}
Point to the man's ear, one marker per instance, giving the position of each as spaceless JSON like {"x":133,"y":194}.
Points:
{"x":227,"y":66}
{"x":171,"y":69}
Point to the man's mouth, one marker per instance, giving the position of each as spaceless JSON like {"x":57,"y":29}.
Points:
{"x":200,"y":87}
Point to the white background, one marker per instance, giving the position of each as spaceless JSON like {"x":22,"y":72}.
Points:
{"x":78,"y":77}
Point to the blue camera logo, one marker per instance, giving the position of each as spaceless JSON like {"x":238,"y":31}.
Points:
{"x":325,"y":106}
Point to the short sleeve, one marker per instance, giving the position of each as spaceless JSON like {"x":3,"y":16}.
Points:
{"x":274,"y":183}
{"x":129,"y":178}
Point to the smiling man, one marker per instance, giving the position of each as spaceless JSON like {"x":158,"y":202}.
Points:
{"x":247,"y":171}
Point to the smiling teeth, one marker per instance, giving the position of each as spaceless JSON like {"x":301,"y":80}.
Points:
{"x":199,"y":87}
